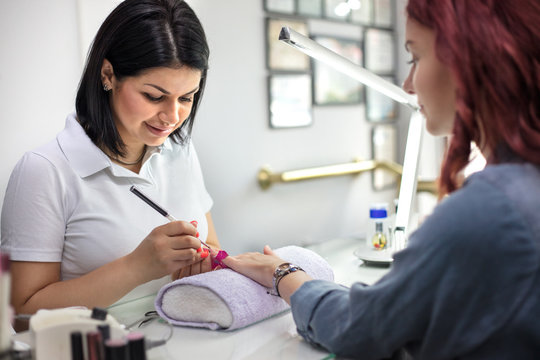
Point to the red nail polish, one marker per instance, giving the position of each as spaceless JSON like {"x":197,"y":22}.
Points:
{"x":204,"y":254}
{"x":199,"y":249}
{"x":194,"y":223}
{"x":197,"y":234}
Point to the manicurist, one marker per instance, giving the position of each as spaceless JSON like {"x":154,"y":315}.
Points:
{"x":75,"y":233}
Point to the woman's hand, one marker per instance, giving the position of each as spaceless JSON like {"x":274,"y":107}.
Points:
{"x":257,"y":266}
{"x":166,"y":249}
{"x":260,"y":268}
{"x":200,"y":267}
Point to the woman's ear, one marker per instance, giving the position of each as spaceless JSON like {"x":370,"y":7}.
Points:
{"x":107,"y":74}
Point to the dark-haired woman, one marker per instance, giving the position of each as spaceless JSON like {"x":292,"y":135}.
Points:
{"x":468,"y":284}
{"x":76,"y":234}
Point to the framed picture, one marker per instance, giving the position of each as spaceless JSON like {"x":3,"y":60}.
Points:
{"x":379,"y":107}
{"x":379,"y":50}
{"x":331,"y":86}
{"x":310,"y":8}
{"x":290,"y":100}
{"x":383,"y":13}
{"x":363,"y":14}
{"x":336,"y":10}
{"x":280,"y":6}
{"x":281,"y":56}
{"x":384,"y":147}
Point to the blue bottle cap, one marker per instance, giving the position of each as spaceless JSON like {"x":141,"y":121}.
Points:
{"x":377,"y":213}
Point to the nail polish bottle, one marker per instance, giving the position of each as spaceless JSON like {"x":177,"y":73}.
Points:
{"x":105,"y":331}
{"x":76,"y":346}
{"x":116,"y":349}
{"x":136,"y":345}
{"x":94,"y":346}
{"x":377,"y":238}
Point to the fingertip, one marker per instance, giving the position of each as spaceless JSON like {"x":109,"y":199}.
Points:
{"x":268,"y":250}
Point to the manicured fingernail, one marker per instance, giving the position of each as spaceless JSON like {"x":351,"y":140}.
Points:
{"x":197,"y":234}
{"x":204,"y":254}
{"x":194,"y":223}
{"x":199,"y":249}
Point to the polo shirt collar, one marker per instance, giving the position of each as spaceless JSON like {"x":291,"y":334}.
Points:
{"x":84,"y":156}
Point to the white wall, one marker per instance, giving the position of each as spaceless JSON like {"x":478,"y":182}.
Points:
{"x":39,"y":71}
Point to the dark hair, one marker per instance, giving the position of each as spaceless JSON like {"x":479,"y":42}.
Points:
{"x":493,"y":50}
{"x":136,"y":36}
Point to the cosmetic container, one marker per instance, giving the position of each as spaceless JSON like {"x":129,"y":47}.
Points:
{"x":136,"y":345}
{"x":76,"y":346}
{"x":94,"y":346}
{"x":116,"y":349}
{"x":105,"y":331}
{"x":377,"y":236}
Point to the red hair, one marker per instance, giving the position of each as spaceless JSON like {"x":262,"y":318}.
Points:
{"x":493,"y":50}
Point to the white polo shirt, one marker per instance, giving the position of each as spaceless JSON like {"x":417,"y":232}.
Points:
{"x":67,"y":202}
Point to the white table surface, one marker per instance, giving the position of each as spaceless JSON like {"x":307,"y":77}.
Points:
{"x":274,"y":338}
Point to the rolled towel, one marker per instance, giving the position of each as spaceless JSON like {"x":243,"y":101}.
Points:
{"x":227,"y":300}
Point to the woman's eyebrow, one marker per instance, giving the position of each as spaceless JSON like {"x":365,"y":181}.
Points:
{"x":159,"y":88}
{"x":166,"y":92}
{"x":192,"y":91}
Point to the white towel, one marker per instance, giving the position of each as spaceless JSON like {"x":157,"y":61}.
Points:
{"x":227,"y":300}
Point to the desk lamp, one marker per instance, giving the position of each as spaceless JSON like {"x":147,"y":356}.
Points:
{"x":414,"y":137}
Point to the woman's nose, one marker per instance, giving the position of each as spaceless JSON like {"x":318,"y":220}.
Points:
{"x":170,"y":115}
{"x":407,"y":84}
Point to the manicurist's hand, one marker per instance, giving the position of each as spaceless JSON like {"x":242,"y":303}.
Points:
{"x":166,"y":249}
{"x":38,"y":285}
{"x":202,"y":266}
{"x":205,"y":264}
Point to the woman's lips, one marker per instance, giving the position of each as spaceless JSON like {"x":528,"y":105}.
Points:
{"x":158,"y":131}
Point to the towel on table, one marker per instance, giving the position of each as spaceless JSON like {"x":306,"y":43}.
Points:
{"x":225,"y":299}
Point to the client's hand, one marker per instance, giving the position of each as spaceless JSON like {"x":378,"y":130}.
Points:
{"x":165,"y":250}
{"x":257,"y":266}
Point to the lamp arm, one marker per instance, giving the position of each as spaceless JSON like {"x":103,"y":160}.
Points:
{"x":344,"y":65}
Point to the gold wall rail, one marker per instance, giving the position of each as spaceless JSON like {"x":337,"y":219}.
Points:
{"x":266,"y":177}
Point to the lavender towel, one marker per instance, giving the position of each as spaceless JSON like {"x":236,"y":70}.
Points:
{"x":227,"y":300}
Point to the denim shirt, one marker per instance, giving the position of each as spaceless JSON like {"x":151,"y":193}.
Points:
{"x":467,"y":286}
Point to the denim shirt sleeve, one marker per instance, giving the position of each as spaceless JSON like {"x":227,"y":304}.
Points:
{"x":458,"y":281}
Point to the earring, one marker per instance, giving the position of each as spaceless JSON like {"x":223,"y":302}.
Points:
{"x":106,"y":87}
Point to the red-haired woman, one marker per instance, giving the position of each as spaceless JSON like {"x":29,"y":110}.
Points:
{"x":468,"y":284}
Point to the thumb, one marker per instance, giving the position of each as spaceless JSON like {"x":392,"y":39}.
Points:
{"x":268,"y":251}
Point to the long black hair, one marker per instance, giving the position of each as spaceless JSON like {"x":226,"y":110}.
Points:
{"x":139,"y":35}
